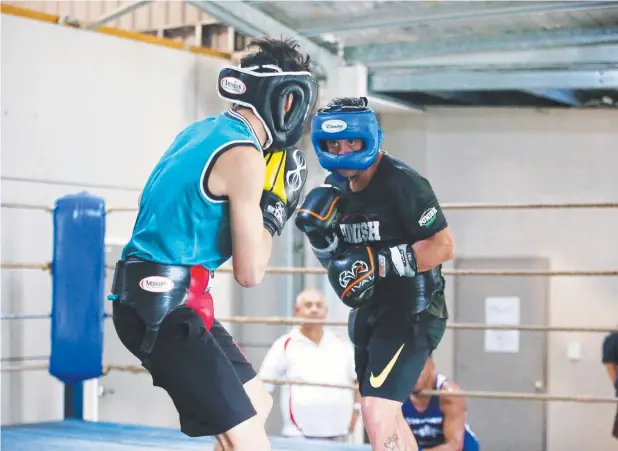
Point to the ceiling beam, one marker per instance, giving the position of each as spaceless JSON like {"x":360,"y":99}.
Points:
{"x":493,"y":80}
{"x":385,"y":103}
{"x":373,"y":53}
{"x":552,"y":57}
{"x":557,"y":95}
{"x":371,"y":22}
{"x":469,"y":98}
{"x":252,"y":22}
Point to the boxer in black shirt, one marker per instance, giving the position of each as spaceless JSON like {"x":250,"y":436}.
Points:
{"x":377,"y":227}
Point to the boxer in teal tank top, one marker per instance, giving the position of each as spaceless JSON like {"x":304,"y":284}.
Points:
{"x":179,"y":222}
{"x":224,"y":188}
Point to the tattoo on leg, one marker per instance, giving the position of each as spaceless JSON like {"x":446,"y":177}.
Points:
{"x":392,"y":443}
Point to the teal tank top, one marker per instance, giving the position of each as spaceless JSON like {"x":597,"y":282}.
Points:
{"x":178,"y":221}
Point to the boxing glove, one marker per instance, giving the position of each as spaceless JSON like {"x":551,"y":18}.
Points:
{"x":286,"y":174}
{"x":399,"y":259}
{"x":355,"y":270}
{"x":352,"y":275}
{"x":318,"y":219}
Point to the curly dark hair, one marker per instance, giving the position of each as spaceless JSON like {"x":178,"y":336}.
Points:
{"x":281,"y":52}
{"x":342,"y":103}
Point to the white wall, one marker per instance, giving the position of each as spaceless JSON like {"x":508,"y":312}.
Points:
{"x":519,"y":156}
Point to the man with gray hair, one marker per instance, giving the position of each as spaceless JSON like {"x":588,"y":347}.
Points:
{"x":314,"y":354}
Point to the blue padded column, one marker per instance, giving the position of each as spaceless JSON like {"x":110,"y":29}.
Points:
{"x":78,"y":284}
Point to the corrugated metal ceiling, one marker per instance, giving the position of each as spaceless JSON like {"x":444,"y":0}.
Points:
{"x":386,"y":34}
{"x":438,"y":17}
{"x":524,"y":53}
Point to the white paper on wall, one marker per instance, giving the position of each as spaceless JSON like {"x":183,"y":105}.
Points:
{"x":503,"y":311}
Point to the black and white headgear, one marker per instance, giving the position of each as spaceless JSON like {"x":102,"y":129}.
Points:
{"x":265,"y":89}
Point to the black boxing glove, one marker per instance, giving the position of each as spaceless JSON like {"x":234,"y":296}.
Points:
{"x":352,"y":275}
{"x":286,"y":174}
{"x":318,"y":218}
{"x":399,"y":259}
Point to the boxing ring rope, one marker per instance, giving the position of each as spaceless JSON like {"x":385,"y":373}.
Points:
{"x":282,"y":321}
{"x":446,"y":206}
{"x":455,"y":272}
{"x":10,"y":316}
{"x":41,"y":266}
{"x":529,"y":206}
{"x":27,"y":207}
{"x":446,"y":272}
{"x":478,"y":206}
{"x":134,"y":369}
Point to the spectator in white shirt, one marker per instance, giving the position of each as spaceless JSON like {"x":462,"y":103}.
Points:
{"x":312,"y":353}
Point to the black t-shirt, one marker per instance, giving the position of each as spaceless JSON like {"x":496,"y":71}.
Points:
{"x":610,"y":352}
{"x":398,"y":206}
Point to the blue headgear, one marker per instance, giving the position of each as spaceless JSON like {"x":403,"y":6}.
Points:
{"x":335,"y":122}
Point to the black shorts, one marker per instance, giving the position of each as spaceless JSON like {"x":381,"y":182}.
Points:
{"x":202,"y":371}
{"x":390,"y":352}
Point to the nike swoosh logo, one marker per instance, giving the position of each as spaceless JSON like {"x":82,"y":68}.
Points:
{"x":377,"y":381}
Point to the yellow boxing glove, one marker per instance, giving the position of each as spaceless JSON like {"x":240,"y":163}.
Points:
{"x":286,"y":174}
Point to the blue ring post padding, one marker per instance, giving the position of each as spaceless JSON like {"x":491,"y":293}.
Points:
{"x":78,"y":287}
